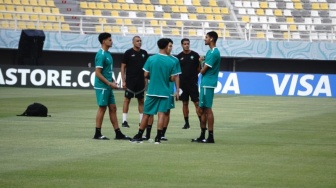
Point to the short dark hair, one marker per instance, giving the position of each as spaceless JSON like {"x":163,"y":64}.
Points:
{"x":184,"y":39}
{"x":170,"y":40}
{"x":162,"y":43}
{"x":213,"y":35}
{"x":103,"y":36}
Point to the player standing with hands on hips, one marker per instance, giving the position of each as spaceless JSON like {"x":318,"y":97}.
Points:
{"x":103,"y":86}
{"x":209,"y":80}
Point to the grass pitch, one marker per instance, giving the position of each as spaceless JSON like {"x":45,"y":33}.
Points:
{"x":260,"y":142}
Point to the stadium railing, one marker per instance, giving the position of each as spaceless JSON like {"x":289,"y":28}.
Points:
{"x":84,"y":24}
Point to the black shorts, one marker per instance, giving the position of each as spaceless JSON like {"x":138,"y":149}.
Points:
{"x":135,"y":89}
{"x":189,"y":90}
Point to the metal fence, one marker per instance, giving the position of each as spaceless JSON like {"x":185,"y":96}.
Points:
{"x":83,"y":24}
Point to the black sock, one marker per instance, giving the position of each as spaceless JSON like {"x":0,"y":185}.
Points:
{"x":159,"y":134}
{"x":186,"y":119}
{"x":210,"y":135}
{"x":140,"y":132}
{"x":118,"y":132}
{"x":203,"y":133}
{"x":148,"y":131}
{"x":164,"y":131}
{"x":98,"y":131}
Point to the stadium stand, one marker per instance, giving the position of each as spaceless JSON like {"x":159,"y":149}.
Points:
{"x":245,"y":19}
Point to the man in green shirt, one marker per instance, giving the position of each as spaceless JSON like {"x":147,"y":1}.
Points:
{"x":161,"y":70}
{"x":209,"y":81}
{"x":103,"y":86}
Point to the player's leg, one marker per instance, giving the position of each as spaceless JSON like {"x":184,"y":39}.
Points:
{"x":210,"y":120}
{"x":185,"y":105}
{"x":202,"y":114}
{"x":127,"y":100}
{"x":149,"y":127}
{"x":194,"y":95}
{"x":102,"y":105}
{"x":185,"y":109}
{"x":113,"y":118}
{"x":140,"y":98}
{"x":163,"y":108}
{"x":166,"y":121}
{"x":165,"y":126}
{"x":150,"y":108}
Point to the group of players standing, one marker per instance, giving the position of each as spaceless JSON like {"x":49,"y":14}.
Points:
{"x":159,"y":73}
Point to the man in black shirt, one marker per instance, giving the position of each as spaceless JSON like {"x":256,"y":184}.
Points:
{"x":190,"y":66}
{"x":133,"y":77}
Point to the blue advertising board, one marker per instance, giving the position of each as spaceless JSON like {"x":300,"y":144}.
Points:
{"x":238,"y":83}
{"x":279,"y":84}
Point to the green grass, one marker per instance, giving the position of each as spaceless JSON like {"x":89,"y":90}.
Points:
{"x":260,"y":142}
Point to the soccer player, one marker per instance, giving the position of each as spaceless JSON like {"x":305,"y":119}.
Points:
{"x":171,"y":97}
{"x":209,"y":80}
{"x":103,"y":86}
{"x":161,"y":70}
{"x":133,"y":78}
{"x":171,"y":85}
{"x":190,"y":66}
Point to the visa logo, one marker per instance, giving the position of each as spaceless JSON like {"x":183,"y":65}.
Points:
{"x":301,"y":85}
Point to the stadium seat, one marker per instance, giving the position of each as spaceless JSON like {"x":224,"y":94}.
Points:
{"x":251,"y":11}
{"x":192,"y":17}
{"x":263,"y":5}
{"x":278,"y":12}
{"x":34,"y":17}
{"x":16,"y":2}
{"x":207,"y":10}
{"x":25,"y":17}
{"x":287,"y":12}
{"x":260,"y":35}
{"x":166,"y":15}
{"x":55,"y":10}
{"x":91,"y":5}
{"x":213,"y":3}
{"x":83,"y":5}
{"x":33,"y":2}
{"x":100,"y":5}
{"x":150,"y":8}
{"x":51,"y":18}
{"x":218,"y":17}
{"x":269,"y":12}
{"x":125,"y":6}
{"x":163,"y":2}
{"x":260,"y":12}
{"x":97,"y":12}
{"x":245,"y":19}
{"x":199,"y":10}
{"x":247,"y":4}
{"x":196,"y":3}
{"x":224,"y":10}
{"x":88,"y":12}
{"x":170,"y":2}
{"x":298,"y":6}
{"x":273,"y":5}
{"x":50,"y":3}
{"x":179,"y":2}
{"x":238,"y":4}
{"x":10,"y":8}
{"x":175,"y":32}
{"x":116,"y":6}
{"x":315,"y":6}
{"x":46,"y":10}
{"x":255,"y":4}
{"x":37,"y":9}
{"x":108,"y":6}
